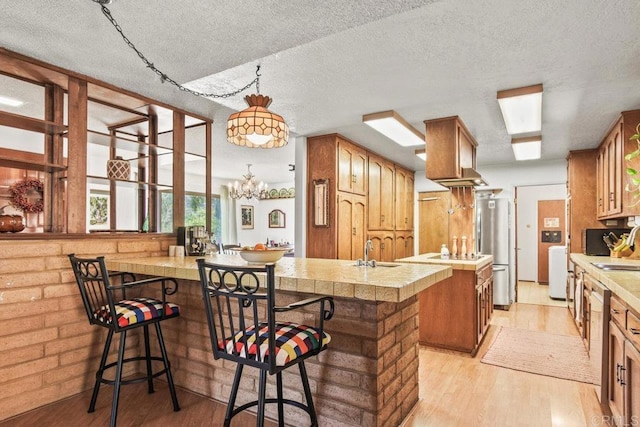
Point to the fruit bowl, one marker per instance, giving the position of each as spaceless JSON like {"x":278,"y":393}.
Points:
{"x":261,"y":257}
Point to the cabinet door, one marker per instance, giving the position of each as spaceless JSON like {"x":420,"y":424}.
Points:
{"x":359,"y":222}
{"x":479,"y":314}
{"x":404,"y":244}
{"x":601,"y":183}
{"x":616,"y":164}
{"x":380,"y":194}
{"x":346,"y":227}
{"x":616,"y":363}
{"x":352,"y":163}
{"x":351,"y":226}
{"x":404,"y":199}
{"x":632,"y":383}
{"x":383,"y":246}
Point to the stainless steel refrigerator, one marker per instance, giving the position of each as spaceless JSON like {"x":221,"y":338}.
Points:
{"x":493,"y":225}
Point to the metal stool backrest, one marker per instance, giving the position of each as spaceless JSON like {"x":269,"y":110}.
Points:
{"x":235,"y":299}
{"x":92,"y":278}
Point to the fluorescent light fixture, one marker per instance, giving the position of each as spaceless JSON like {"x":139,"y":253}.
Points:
{"x":521,"y":109}
{"x":11,"y":102}
{"x":422,"y":153}
{"x":527,"y":148}
{"x":390,"y":124}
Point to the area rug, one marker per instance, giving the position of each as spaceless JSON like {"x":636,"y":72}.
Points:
{"x":542,"y":353}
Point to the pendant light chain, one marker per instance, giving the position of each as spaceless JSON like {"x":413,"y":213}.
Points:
{"x":164,"y":77}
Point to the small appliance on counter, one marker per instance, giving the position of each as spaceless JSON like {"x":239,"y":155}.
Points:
{"x":593,"y":240}
{"x":194,"y":239}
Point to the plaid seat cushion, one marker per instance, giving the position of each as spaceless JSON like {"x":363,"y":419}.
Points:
{"x":292,"y":341}
{"x":136,"y":310}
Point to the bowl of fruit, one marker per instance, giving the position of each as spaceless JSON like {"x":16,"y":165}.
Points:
{"x":260,"y":254}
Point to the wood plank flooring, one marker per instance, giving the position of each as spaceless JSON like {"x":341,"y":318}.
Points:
{"x":455,"y":390}
{"x":535,"y":293}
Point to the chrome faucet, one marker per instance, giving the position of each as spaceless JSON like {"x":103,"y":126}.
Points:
{"x":368,"y":246}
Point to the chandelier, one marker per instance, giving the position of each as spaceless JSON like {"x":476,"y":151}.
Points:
{"x":248,"y":188}
{"x":256,"y":126}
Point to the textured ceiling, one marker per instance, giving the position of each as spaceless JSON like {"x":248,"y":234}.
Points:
{"x":325,"y":64}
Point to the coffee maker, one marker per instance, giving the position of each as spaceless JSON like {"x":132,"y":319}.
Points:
{"x":194,"y":239}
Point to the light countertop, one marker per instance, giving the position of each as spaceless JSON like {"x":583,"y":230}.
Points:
{"x":625,"y":284}
{"x":454,"y":263}
{"x":393,"y":282}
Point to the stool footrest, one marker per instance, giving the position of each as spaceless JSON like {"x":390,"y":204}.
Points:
{"x":132,"y":380}
{"x":270,"y":400}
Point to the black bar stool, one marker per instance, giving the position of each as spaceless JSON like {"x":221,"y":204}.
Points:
{"x":101,"y":298}
{"x":231,"y":299}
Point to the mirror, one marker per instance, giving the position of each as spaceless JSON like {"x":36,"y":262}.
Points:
{"x":276,"y":219}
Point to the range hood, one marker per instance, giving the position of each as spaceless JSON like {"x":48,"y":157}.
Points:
{"x":470,"y":178}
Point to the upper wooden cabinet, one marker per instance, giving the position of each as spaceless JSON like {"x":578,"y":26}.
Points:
{"x":381,"y":193}
{"x":352,"y":166}
{"x":404,"y":199}
{"x":367,"y":195}
{"x":450,"y":148}
{"x":581,"y":192}
{"x":611,"y":180}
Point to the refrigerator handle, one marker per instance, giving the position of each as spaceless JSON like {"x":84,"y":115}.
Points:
{"x":499,"y":268}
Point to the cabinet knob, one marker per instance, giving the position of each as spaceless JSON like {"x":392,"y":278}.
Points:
{"x":611,"y":198}
{"x":600,"y":201}
{"x":381,"y":218}
{"x":354,"y":231}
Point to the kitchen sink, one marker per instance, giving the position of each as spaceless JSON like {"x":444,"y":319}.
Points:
{"x":617,"y":266}
{"x":378,"y":264}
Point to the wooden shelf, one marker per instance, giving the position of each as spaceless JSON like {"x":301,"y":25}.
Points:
{"x":9,"y":162}
{"x":127,"y":144}
{"x":101,"y":180}
{"x":30,"y":124}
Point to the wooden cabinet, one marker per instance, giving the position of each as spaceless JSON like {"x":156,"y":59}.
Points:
{"x":383,"y":246}
{"x":381,"y":193}
{"x":609,"y":174}
{"x":484,"y":300}
{"x":352,"y":166}
{"x":362,"y":199}
{"x":456,"y":312}
{"x":616,"y":362}
{"x":450,"y":148}
{"x":581,"y":196}
{"x":336,"y":160}
{"x":351,"y":226}
{"x":612,"y":199}
{"x":404,"y":242}
{"x":404,"y":199}
{"x":624,"y":364}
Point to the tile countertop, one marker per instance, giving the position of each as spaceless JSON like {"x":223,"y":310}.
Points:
{"x":625,"y":284}
{"x":456,"y":264}
{"x":393,"y":282}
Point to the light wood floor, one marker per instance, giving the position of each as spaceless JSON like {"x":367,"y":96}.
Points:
{"x":455,"y":390}
{"x":535,"y":293}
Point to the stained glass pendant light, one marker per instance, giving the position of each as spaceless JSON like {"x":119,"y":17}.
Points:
{"x":256,"y":126}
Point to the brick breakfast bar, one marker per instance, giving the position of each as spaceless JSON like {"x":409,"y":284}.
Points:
{"x":369,"y":374}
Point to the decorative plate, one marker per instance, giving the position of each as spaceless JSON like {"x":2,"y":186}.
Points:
{"x":292,"y":192}
{"x":273,"y":193}
{"x":284,"y":192}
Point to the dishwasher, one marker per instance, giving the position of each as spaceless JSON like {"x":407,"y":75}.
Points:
{"x":597,"y":316}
